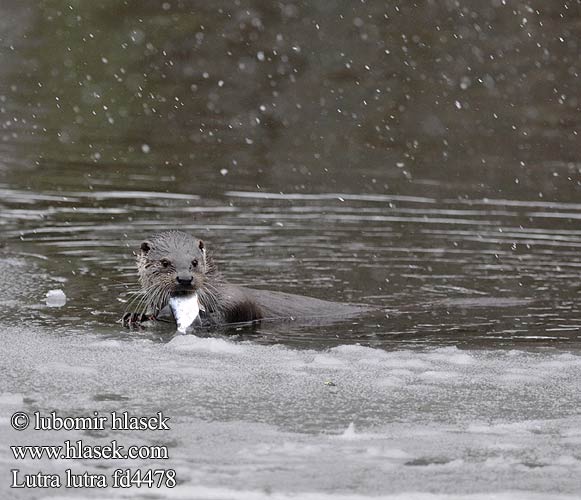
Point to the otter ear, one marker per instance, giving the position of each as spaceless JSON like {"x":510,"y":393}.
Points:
{"x":146,"y":246}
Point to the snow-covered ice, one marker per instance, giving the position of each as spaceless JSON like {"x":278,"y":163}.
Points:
{"x":254,"y":421}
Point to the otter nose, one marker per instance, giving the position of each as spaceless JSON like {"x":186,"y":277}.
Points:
{"x":184,"y":280}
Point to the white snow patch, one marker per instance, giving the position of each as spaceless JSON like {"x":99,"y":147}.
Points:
{"x":197,"y":344}
{"x":56,"y":298}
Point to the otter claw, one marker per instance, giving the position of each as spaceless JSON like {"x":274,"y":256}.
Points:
{"x":132,"y":320}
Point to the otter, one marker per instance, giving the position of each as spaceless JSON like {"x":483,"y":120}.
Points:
{"x":175,"y":263}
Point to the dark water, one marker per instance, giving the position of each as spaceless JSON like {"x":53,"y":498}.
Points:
{"x":422,"y":157}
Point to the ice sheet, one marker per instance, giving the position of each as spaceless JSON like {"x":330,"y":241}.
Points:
{"x":351,"y":421}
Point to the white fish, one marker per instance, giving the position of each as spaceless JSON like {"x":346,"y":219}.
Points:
{"x":185,"y":309}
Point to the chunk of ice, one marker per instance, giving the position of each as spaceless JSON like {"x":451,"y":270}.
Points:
{"x":56,"y":298}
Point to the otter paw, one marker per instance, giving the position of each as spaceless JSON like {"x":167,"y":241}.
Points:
{"x":133,"y":320}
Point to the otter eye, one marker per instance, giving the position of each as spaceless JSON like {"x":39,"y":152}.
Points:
{"x":165,"y":262}
{"x":195,"y":263}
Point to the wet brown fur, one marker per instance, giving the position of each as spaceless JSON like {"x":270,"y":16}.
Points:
{"x":168,"y":255}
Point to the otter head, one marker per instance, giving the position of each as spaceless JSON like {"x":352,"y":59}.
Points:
{"x":171,"y":263}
